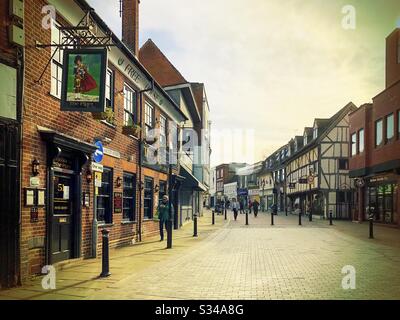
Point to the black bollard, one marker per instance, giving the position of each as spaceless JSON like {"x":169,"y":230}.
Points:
{"x":371,"y":228}
{"x":300,"y":218}
{"x":247,"y":217}
{"x":195,"y":225}
{"x":226,"y":215}
{"x":310,"y":216}
{"x":105,"y":266}
{"x":169,"y":234}
{"x":213,"y":217}
{"x":272,"y":218}
{"x":330,"y":218}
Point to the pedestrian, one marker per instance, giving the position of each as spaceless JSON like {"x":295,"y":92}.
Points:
{"x":255,"y":207}
{"x":163,"y":215}
{"x":235,"y":208}
{"x":241,"y":206}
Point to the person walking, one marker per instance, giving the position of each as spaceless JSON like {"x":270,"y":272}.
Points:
{"x":250,"y":206}
{"x":235,"y":208}
{"x":255,"y":207}
{"x":163,"y":215}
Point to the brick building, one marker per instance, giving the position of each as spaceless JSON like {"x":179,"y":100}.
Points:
{"x":65,"y":199}
{"x":375,"y":146}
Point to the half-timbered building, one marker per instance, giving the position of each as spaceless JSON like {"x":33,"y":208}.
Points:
{"x":317,"y":173}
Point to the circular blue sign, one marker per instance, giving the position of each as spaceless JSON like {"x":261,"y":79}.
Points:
{"x":99,"y":153}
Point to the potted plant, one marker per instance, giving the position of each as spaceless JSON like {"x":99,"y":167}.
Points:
{"x":131,"y":128}
{"x":108,"y":115}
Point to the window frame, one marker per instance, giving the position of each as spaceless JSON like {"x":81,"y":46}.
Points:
{"x":345,"y":161}
{"x":133,"y":104}
{"x":387,"y":139}
{"x":353,"y":144}
{"x":56,"y":66}
{"x":376,"y":133}
{"x":151,"y":180}
{"x":149,"y":125}
{"x":131,"y":217}
{"x":359,"y":150}
{"x":111,"y":89}
{"x":108,"y":216}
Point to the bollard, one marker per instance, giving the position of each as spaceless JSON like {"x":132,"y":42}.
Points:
{"x":371,"y":228}
{"x":247,"y":217}
{"x":330,"y":218}
{"x":105,"y":265}
{"x":300,"y":218}
{"x":310,"y":216}
{"x":213,"y":218}
{"x":272,"y":218}
{"x":226,"y":215}
{"x":195,"y":225}
{"x":169,"y":234}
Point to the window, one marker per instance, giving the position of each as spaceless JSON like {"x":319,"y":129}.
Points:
{"x":110,"y":89}
{"x":315,"y":133}
{"x":148,"y":198}
{"x":390,"y":126}
{"x":354,"y":144}
{"x":148,"y":117}
{"x":129,"y":197}
{"x":104,"y":197}
{"x":343,"y":164}
{"x":361,"y":141}
{"x":378,"y":132}
{"x":163,"y":131}
{"x":129,"y":105}
{"x":57,"y":61}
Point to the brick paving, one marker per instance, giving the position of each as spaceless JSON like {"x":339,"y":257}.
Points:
{"x":234,"y":261}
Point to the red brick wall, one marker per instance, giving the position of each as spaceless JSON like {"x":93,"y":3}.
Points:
{"x":40,"y":108}
{"x":392,"y":65}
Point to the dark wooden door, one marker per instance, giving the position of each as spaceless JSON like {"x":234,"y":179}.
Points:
{"x":62,"y":217}
{"x":9,"y":204}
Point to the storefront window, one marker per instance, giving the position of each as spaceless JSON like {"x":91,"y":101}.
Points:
{"x":380,"y":202}
{"x":148,"y":198}
{"x":129,"y":197}
{"x":104,"y":197}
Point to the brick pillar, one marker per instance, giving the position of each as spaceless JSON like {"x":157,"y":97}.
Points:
{"x":130,"y":24}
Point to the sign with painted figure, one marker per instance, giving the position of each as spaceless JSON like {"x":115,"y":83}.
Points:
{"x":84,"y":80}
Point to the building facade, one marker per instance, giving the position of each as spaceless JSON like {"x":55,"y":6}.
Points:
{"x":317,"y":169}
{"x":375,"y":147}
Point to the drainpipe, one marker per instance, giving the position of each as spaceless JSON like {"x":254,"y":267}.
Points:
{"x":140,"y":156}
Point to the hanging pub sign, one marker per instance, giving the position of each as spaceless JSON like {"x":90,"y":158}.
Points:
{"x":84,"y":77}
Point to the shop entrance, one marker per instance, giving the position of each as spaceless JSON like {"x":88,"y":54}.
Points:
{"x":380,"y":202}
{"x":62,"y":217}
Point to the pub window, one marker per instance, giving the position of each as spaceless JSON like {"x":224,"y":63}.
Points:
{"x":57,"y":61}
{"x":343,"y":164}
{"x":129,"y":105}
{"x":129,"y":197}
{"x":110,"y":89}
{"x":354,"y":144}
{"x":378,"y":132}
{"x":148,"y":198}
{"x":104,"y":197}
{"x":390,"y":126}
{"x":149,"y":117}
{"x":361,"y":141}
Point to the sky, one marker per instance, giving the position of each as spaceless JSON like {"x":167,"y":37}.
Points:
{"x":269,"y":66}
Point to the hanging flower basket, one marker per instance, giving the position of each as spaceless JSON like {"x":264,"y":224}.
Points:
{"x":108,"y":115}
{"x":132,"y":130}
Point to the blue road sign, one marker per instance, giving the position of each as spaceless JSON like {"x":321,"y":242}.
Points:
{"x":99,"y":153}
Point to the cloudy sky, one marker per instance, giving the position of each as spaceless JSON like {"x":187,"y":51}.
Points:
{"x":269,"y":66}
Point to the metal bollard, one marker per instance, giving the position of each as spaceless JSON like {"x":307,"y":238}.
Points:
{"x":310,"y":216}
{"x":272,"y":218}
{"x":213,"y":218}
{"x":247,"y":217}
{"x":105,"y":265}
{"x":195,"y":225}
{"x":371,"y":228}
{"x":169,"y":234}
{"x":225,"y":214}
{"x":330,"y":218}
{"x":300,"y":218}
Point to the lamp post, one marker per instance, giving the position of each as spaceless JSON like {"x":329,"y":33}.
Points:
{"x":170,"y":182}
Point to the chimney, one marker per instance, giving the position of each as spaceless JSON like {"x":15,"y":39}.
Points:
{"x":130,"y":25}
{"x":393,"y":58}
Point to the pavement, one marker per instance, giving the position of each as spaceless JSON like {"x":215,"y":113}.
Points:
{"x":230,"y":260}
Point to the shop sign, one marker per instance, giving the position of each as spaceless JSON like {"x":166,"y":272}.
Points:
{"x":254,"y":192}
{"x":96,"y":167}
{"x":84,"y":80}
{"x":62,"y":163}
{"x":118,"y":202}
{"x":111,"y":153}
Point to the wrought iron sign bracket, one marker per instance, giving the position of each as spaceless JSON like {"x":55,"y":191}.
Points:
{"x":82,"y":36}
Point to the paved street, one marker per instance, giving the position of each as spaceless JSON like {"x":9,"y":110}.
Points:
{"x":234,"y":261}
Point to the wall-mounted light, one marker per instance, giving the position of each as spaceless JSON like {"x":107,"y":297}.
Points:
{"x":35,"y":167}
{"x":89,"y":176}
{"x":119,"y":182}
{"x":156,"y":188}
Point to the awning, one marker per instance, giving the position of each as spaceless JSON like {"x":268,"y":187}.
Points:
{"x":191,"y":181}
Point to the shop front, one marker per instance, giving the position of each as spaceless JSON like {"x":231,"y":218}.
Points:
{"x":382,"y":198}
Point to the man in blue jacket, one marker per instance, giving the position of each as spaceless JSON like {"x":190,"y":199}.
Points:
{"x":163,"y":214}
